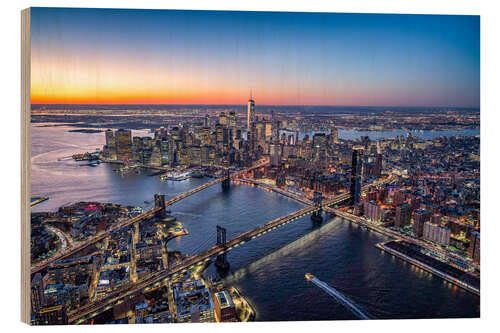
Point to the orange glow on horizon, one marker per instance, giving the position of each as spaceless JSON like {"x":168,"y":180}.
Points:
{"x":93,"y":78}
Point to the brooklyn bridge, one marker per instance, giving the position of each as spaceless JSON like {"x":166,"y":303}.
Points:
{"x":218,"y":251}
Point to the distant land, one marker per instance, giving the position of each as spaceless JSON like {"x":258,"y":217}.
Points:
{"x":289,"y":109}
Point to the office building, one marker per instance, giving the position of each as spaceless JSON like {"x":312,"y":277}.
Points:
{"x":334,"y":133}
{"x":224,"y":307}
{"x":356,"y":174}
{"x":420,"y":217}
{"x":403,"y":215}
{"x":474,"y":247}
{"x":372,"y":211}
{"x":110,"y":149}
{"x":437,"y":233}
{"x":223,"y":120}
{"x":398,"y":198}
{"x":123,"y":145}
{"x":250,"y":114}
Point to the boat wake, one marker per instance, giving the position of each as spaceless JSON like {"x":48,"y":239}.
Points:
{"x":339,"y":297}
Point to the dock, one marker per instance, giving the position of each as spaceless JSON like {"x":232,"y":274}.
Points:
{"x":432,"y":265}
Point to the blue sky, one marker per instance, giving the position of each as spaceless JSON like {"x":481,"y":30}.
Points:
{"x":285,"y":58}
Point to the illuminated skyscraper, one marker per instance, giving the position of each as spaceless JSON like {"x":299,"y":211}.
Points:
{"x":403,"y":215}
{"x":232,"y":120}
{"x":319,"y":146}
{"x":260,"y":128}
{"x":110,"y":144}
{"x":334,"y":133}
{"x":123,"y":145}
{"x":219,"y":134}
{"x":250,"y":113}
{"x":378,"y":161}
{"x":420,"y":217}
{"x":356,"y":174}
{"x":223,"y":119}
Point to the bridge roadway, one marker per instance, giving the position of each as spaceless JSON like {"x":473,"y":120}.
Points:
{"x":92,"y":309}
{"x":213,"y":182}
{"x":362,"y":222}
{"x":277,"y":190}
{"x":138,"y":218}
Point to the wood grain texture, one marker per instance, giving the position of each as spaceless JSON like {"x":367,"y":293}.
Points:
{"x":25,"y":165}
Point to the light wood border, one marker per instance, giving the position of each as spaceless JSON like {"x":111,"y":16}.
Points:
{"x":25,"y":166}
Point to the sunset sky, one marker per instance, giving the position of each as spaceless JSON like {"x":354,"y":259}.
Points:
{"x":95,"y":56}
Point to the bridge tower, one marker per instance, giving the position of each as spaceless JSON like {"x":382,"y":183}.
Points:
{"x":317,"y":200}
{"x":226,"y":183}
{"x":221,"y":261}
{"x":160,"y":203}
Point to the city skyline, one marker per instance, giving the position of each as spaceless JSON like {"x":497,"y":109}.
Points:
{"x":222,"y":166}
{"x":104,"y":56}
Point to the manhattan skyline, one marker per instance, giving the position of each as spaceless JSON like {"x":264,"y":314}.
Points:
{"x":110,"y":56}
{"x":224,"y":166}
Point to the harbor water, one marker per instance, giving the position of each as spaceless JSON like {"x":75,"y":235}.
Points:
{"x":268,"y":271}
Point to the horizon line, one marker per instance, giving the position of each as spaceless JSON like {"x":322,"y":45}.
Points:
{"x":257,"y":105}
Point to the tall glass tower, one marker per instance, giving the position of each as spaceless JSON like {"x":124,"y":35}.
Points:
{"x":250,"y":113}
{"x":356,"y":174}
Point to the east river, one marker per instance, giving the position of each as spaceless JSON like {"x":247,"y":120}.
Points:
{"x":268,"y":271}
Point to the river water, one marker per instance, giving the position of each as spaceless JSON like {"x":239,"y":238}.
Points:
{"x":270,"y":270}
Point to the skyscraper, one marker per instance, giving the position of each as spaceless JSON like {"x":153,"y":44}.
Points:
{"x":232,"y":120}
{"x":250,"y":113}
{"x":110,"y":144}
{"x":421,"y":216}
{"x":334,"y":133}
{"x":378,"y":161}
{"x":123,"y":145}
{"x":319,"y":146}
{"x":403,"y":215}
{"x":356,"y":174}
{"x":474,"y":246}
{"x":437,"y":233}
{"x":223,"y":119}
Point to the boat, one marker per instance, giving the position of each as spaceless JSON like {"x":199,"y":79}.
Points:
{"x":175,"y":176}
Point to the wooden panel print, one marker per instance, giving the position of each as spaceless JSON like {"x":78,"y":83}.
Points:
{"x":231,"y":166}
